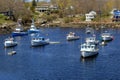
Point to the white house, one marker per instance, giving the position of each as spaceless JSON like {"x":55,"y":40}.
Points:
{"x":91,"y":15}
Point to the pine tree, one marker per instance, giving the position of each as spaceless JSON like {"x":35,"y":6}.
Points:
{"x":34,"y":3}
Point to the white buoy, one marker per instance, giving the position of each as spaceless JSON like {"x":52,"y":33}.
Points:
{"x":103,"y":43}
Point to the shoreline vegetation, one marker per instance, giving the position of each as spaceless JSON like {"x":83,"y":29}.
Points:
{"x":8,"y":28}
{"x":56,"y":13}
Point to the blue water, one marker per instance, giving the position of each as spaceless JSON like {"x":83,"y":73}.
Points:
{"x":59,"y":61}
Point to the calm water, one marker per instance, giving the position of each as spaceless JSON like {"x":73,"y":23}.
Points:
{"x":59,"y":61}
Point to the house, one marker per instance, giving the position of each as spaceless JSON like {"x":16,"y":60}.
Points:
{"x":116,"y":15}
{"x":9,"y":14}
{"x":46,"y":8}
{"x":90,"y":16}
{"x":42,"y":8}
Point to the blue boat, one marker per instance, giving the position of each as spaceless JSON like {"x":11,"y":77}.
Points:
{"x":19,"y":31}
{"x":33,"y":29}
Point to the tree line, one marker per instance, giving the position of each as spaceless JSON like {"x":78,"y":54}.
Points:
{"x":24,"y":10}
{"x":84,"y":6}
{"x":17,"y":7}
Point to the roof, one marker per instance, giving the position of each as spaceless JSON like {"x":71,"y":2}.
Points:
{"x":116,"y":12}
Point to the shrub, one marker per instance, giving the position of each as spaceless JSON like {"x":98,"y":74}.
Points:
{"x":68,"y":19}
{"x":3,"y":17}
{"x":82,"y":18}
{"x":50,"y":17}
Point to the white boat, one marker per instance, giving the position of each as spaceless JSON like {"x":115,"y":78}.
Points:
{"x":92,"y":40}
{"x":39,"y":41}
{"x":19,"y":28}
{"x":88,"y":49}
{"x":71,"y":36}
{"x":106,"y":36}
{"x":33,"y":29}
{"x":10,"y":42}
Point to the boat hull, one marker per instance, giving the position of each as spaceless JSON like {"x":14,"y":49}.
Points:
{"x":73,"y":38}
{"x":33,"y":31}
{"x":88,"y":53}
{"x":88,"y":32}
{"x":107,"y":38}
{"x":39,"y":43}
{"x":19,"y":33}
{"x":8,"y":44}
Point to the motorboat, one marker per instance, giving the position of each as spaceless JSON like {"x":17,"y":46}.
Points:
{"x":19,"y":31}
{"x":71,"y":36}
{"x":39,"y":41}
{"x":88,"y":50}
{"x":9,"y":42}
{"x":33,"y":29}
{"x":106,"y":36}
{"x":92,"y":40}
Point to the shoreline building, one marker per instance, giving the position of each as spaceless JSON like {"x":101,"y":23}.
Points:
{"x":46,"y":8}
{"x":90,"y":16}
{"x":115,"y":15}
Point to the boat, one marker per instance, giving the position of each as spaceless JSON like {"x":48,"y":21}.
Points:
{"x":12,"y":53}
{"x":71,"y":36}
{"x":19,"y":31}
{"x":106,"y":36}
{"x":39,"y":41}
{"x":15,"y":33}
{"x":89,"y":30}
{"x":88,"y":50}
{"x":92,"y":40}
{"x":9,"y":42}
{"x":33,"y":29}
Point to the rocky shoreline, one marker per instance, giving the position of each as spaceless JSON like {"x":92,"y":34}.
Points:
{"x":8,"y":28}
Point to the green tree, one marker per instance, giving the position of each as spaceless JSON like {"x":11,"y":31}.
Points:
{"x":34,"y":3}
{"x":33,"y":6}
{"x":17,"y":7}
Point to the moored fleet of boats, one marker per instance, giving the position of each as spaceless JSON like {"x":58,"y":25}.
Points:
{"x":89,"y":48}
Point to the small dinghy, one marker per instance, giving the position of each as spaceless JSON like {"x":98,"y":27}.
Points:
{"x":12,"y":53}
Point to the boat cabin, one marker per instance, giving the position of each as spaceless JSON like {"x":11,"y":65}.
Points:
{"x":39,"y":38}
{"x":106,"y":34}
{"x":86,"y":46}
{"x":90,"y":39}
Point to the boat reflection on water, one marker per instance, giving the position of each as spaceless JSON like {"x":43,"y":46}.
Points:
{"x":88,"y":59}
